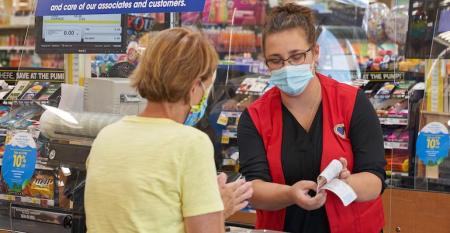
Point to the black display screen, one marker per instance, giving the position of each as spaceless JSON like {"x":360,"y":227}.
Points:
{"x":81,"y":34}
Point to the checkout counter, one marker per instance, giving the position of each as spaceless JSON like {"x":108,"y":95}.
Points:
{"x":67,"y":138}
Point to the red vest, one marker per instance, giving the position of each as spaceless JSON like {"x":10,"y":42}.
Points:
{"x":338,"y":101}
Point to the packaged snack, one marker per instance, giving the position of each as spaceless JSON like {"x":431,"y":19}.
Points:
{"x":4,"y":110}
{"x":34,"y":90}
{"x":404,"y":136}
{"x":255,"y":86}
{"x":399,"y":110}
{"x":49,"y":91}
{"x":394,"y":137}
{"x":382,"y":113}
{"x":386,"y":91}
{"x":18,"y":90}
{"x":20,"y":117}
{"x":397,"y":163}
{"x":41,"y":186}
{"x":387,"y":133}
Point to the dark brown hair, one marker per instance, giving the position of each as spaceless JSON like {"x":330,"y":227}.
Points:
{"x":290,"y":16}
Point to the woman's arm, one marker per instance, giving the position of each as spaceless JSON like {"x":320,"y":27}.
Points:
{"x":207,"y":223}
{"x":200,"y":200}
{"x":366,"y":136}
{"x":270,"y":196}
{"x":254,"y":166}
{"x":366,"y":185}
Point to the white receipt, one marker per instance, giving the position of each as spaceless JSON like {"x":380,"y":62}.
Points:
{"x":342,"y":190}
{"x":332,"y":170}
{"x":329,"y":180}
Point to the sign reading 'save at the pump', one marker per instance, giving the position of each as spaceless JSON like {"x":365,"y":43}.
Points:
{"x":87,"y":7}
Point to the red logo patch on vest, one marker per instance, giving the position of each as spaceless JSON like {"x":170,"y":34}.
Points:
{"x":339,"y":129}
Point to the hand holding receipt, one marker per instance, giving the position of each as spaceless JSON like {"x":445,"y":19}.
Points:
{"x":331,"y":179}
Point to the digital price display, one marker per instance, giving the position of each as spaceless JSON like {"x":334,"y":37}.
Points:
{"x":81,"y":34}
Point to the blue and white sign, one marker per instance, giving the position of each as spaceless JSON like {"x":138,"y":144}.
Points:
{"x":19,"y":161}
{"x":88,"y":7}
{"x":433,"y":144}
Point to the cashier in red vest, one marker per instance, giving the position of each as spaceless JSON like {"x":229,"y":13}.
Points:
{"x":288,"y":136}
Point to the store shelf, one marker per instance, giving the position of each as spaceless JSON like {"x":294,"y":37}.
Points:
{"x":391,"y":173}
{"x":396,"y":145}
{"x":393,"y":121}
{"x":25,"y":102}
{"x":38,"y":166}
{"x":16,"y":27}
{"x":17,"y":48}
{"x":249,"y":93}
{"x":446,"y":114}
{"x":27,"y":200}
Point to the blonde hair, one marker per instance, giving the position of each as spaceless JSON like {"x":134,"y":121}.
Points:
{"x":173,"y":60}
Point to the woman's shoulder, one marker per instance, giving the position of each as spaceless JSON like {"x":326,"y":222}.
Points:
{"x":338,"y":90}
{"x":330,"y":82}
{"x":193,"y":134}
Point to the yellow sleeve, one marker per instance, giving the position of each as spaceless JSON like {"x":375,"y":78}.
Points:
{"x":199,"y":189}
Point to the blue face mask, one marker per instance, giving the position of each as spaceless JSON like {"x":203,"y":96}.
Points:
{"x":197,"y":111}
{"x":292,"y":79}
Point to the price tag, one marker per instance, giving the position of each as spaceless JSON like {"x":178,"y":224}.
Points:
{"x":223,"y":119}
{"x":10,"y":197}
{"x":35,"y":201}
{"x":225,"y":139}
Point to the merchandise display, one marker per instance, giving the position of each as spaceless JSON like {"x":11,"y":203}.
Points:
{"x":243,"y":41}
{"x":376,"y":14}
{"x":27,"y":92}
{"x":253,"y":86}
{"x":20,"y":111}
{"x":41,"y":186}
{"x":389,"y":81}
{"x":34,"y":91}
{"x":381,"y":47}
{"x":18,"y":90}
{"x":396,"y":24}
{"x":17,"y":47}
{"x":244,"y":63}
{"x":423,"y":37}
{"x":21,"y":117}
{"x":222,"y":12}
{"x":49,"y":91}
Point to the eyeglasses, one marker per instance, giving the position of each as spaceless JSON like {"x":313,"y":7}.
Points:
{"x":295,"y":59}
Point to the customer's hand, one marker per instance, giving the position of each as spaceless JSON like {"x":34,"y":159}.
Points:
{"x":300,"y":194}
{"x":235,"y":195}
{"x":345,"y":173}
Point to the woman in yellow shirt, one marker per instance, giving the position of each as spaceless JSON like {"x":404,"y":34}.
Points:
{"x":153,"y":172}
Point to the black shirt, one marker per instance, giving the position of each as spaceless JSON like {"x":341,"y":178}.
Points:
{"x":302,"y":154}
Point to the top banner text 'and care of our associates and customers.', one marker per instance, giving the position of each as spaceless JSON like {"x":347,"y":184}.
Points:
{"x":77,"y":7}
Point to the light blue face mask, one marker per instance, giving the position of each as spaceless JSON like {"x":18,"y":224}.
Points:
{"x":198,"y":111}
{"x":292,"y":79}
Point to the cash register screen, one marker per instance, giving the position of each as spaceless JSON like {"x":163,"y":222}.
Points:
{"x":81,"y":34}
